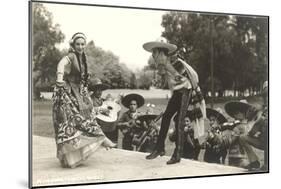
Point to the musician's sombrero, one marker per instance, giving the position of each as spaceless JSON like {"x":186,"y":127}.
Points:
{"x":240,"y":109}
{"x":126,"y":100}
{"x":147,"y":117}
{"x":160,"y":42}
{"x":219,"y":117}
{"x":95,"y":83}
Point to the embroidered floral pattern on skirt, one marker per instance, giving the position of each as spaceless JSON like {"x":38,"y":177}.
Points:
{"x":77,"y":133}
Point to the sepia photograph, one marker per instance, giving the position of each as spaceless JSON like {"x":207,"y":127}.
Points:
{"x":125,"y":94}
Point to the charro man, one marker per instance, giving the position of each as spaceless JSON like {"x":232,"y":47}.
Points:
{"x":183,"y":81}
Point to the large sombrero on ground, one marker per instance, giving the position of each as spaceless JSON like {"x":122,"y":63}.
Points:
{"x":242,"y":108}
{"x":96,"y":83}
{"x":214,"y":113}
{"x":160,"y":42}
{"x":126,"y":100}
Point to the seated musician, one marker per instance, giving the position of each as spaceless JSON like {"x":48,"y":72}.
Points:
{"x":215,"y":151}
{"x":257,"y":136}
{"x":96,"y":87}
{"x":128,"y":121}
{"x":146,"y":137}
{"x":242,"y":112}
{"x":191,"y":145}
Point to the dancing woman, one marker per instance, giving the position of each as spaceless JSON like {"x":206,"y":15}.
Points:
{"x":77,"y":133}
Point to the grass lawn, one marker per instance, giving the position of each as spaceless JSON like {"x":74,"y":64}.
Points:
{"x":42,"y":120}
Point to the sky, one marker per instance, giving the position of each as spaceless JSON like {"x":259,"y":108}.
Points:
{"x":121,"y":31}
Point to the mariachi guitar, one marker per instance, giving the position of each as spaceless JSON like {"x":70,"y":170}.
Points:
{"x":107,"y":120}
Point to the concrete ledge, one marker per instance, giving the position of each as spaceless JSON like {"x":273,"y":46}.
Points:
{"x":113,"y":165}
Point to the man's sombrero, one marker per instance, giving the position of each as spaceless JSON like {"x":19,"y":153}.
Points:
{"x":147,"y":117}
{"x":243,"y":107}
{"x":126,"y":100}
{"x":161,"y":42}
{"x":96,"y":83}
{"x":219,"y":117}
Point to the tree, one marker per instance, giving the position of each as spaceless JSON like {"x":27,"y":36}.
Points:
{"x":133,"y":81}
{"x":45,"y":55}
{"x":144,"y":79}
{"x":239,"y":63}
{"x":106,"y":66}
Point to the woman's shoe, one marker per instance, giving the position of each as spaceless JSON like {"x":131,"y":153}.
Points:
{"x":108,"y":144}
{"x":173,"y":160}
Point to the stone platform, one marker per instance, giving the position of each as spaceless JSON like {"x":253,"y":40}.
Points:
{"x":113,"y":165}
